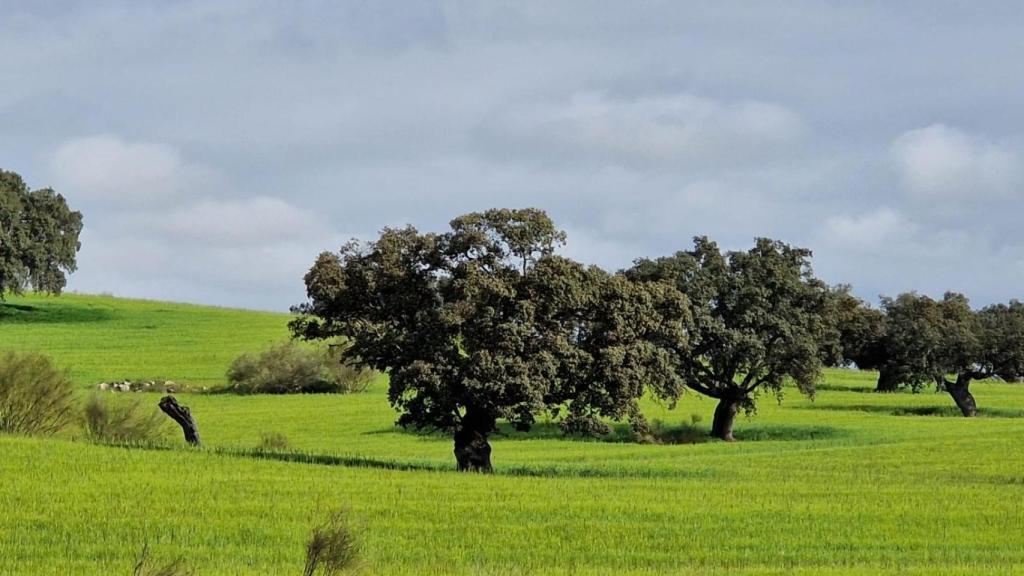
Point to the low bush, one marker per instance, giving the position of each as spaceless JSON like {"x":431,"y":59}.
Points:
{"x":332,"y":548}
{"x":273,"y":442}
{"x":289,"y":368}
{"x":35,"y":397}
{"x":107,"y":421}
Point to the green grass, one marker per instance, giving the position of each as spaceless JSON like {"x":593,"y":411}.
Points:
{"x":103,"y":338}
{"x":850,"y":483}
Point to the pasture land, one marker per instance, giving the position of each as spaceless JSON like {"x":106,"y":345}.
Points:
{"x":850,"y":483}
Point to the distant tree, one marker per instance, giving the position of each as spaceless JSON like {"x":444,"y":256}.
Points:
{"x":759,"y":317}
{"x":861,"y":331}
{"x":928,"y":340}
{"x":484,"y":322}
{"x":38,"y":237}
{"x":1003,"y":339}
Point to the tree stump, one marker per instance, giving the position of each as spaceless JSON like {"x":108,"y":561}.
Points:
{"x":183,"y":416}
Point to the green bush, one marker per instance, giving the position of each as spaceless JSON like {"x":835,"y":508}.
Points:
{"x":332,"y":548}
{"x":35,"y":397}
{"x":346,"y":378}
{"x":288,"y":368}
{"x":129,"y":422}
{"x":273,"y":442}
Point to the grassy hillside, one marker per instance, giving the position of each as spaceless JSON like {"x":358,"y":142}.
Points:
{"x":104,"y":338}
{"x":850,"y":483}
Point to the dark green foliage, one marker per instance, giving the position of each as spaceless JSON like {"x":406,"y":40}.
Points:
{"x":861,"y":331}
{"x":105,"y":420}
{"x":927,"y":340}
{"x":1002,"y":337}
{"x":332,"y":548}
{"x":759,"y":317}
{"x":613,"y":339}
{"x":35,"y":397}
{"x":38,"y":237}
{"x":289,"y":368}
{"x":484,"y":322}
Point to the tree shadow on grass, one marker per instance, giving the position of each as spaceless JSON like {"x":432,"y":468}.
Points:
{"x":941,"y":411}
{"x":536,"y":470}
{"x":784,"y":433}
{"x":29,"y":314}
{"x":838,"y":388}
{"x":662,"y":434}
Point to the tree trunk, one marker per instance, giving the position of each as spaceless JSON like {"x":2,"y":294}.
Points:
{"x":961,"y":393}
{"x":472,"y":450}
{"x":725,"y":415}
{"x":183,"y":416}
{"x":887,"y":381}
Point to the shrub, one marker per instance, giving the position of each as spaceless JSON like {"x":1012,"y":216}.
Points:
{"x":288,"y":368}
{"x":106,"y":421}
{"x":332,"y":548}
{"x":346,"y":377}
{"x":35,"y":397}
{"x":273,"y":442}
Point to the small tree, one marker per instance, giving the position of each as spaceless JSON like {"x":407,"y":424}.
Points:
{"x":759,"y":317}
{"x":38,"y":237}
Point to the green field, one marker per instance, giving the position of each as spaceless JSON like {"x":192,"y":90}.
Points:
{"x":850,"y":483}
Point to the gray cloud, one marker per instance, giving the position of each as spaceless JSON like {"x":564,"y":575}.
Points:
{"x":216,"y":147}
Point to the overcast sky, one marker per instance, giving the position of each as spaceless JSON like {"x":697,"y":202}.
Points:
{"x":216,"y":147}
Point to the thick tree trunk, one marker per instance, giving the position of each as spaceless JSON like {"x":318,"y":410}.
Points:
{"x":472,"y":450}
{"x":183,"y":416}
{"x":887,"y":381}
{"x":725,"y":415}
{"x":961,"y":393}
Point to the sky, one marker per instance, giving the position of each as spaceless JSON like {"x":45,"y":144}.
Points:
{"x":215,"y":148}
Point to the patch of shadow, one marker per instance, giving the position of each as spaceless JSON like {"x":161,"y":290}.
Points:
{"x":660,"y":433}
{"x":940,"y":411}
{"x":777,"y":433}
{"x":538,"y":471}
{"x":522,"y":470}
{"x":837,"y":388}
{"x":27,"y":314}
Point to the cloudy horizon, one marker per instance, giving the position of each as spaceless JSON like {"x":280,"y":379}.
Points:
{"x":215,"y":148}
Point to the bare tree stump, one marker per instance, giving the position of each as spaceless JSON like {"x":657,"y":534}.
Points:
{"x":183,"y":416}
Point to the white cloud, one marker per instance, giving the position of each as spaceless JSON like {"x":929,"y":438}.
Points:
{"x":870,"y":231}
{"x":678,"y":130}
{"x":247,"y":221}
{"x":105,"y":169}
{"x":940,"y":161}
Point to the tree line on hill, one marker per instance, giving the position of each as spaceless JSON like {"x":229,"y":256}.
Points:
{"x":486,"y":322}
